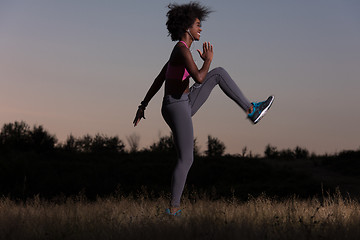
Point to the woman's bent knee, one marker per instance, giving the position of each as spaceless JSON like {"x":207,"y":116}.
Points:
{"x":220,"y":70}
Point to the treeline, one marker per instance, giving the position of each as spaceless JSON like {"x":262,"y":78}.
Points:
{"x":19,"y":136}
{"x":33,"y":161}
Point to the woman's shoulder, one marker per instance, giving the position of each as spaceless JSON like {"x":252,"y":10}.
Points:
{"x":179,"y":52}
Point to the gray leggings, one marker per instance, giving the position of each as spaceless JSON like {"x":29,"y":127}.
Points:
{"x":177,"y":113}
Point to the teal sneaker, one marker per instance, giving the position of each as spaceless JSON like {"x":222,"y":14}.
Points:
{"x":176,"y":214}
{"x":259,"y":109}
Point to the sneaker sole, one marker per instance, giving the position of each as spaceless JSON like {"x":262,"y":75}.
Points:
{"x":264,"y":111}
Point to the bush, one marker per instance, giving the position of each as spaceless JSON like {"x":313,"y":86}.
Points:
{"x":18,"y":136}
{"x":271,"y":152}
{"x":298,"y":153}
{"x":215,"y":148}
{"x":166,"y":145}
{"x":98,"y":144}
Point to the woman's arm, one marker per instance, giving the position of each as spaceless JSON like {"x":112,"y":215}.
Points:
{"x":155,"y":87}
{"x":207,"y":55}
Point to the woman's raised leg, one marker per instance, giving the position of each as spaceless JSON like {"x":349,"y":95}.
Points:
{"x":218,"y":76}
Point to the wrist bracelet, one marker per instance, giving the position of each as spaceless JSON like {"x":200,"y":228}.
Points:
{"x":143,"y":103}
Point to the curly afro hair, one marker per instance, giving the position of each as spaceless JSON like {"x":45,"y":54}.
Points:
{"x":182,"y":17}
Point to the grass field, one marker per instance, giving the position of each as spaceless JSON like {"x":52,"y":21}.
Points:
{"x":332,"y":217}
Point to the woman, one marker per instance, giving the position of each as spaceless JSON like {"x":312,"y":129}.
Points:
{"x":180,"y":102}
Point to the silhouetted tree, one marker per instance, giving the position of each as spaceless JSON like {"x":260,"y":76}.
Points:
{"x":196,"y":148}
{"x":18,"y":136}
{"x":301,"y":153}
{"x":89,"y":144}
{"x":271,"y":152}
{"x":15,"y":136}
{"x":103,"y":143}
{"x":215,"y":148}
{"x":42,"y":140}
{"x":244,"y":152}
{"x":349,"y":154}
{"x":134,"y":142}
{"x":297,"y":153}
{"x":71,"y":144}
{"x":84,"y":143}
{"x":287,"y":154}
{"x":164,"y":145}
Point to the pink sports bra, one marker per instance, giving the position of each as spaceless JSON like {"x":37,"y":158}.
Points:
{"x":177,"y":71}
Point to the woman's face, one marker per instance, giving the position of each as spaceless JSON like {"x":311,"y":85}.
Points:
{"x":195,"y":29}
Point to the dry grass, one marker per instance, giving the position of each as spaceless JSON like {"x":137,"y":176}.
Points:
{"x":129,"y":218}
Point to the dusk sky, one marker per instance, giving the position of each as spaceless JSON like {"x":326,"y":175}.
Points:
{"x":82,"y":67}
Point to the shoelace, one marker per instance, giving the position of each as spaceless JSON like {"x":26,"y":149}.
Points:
{"x":257,"y":104}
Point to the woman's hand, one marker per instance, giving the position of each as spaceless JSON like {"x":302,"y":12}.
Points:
{"x":139,"y":114}
{"x":207,"y":53}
